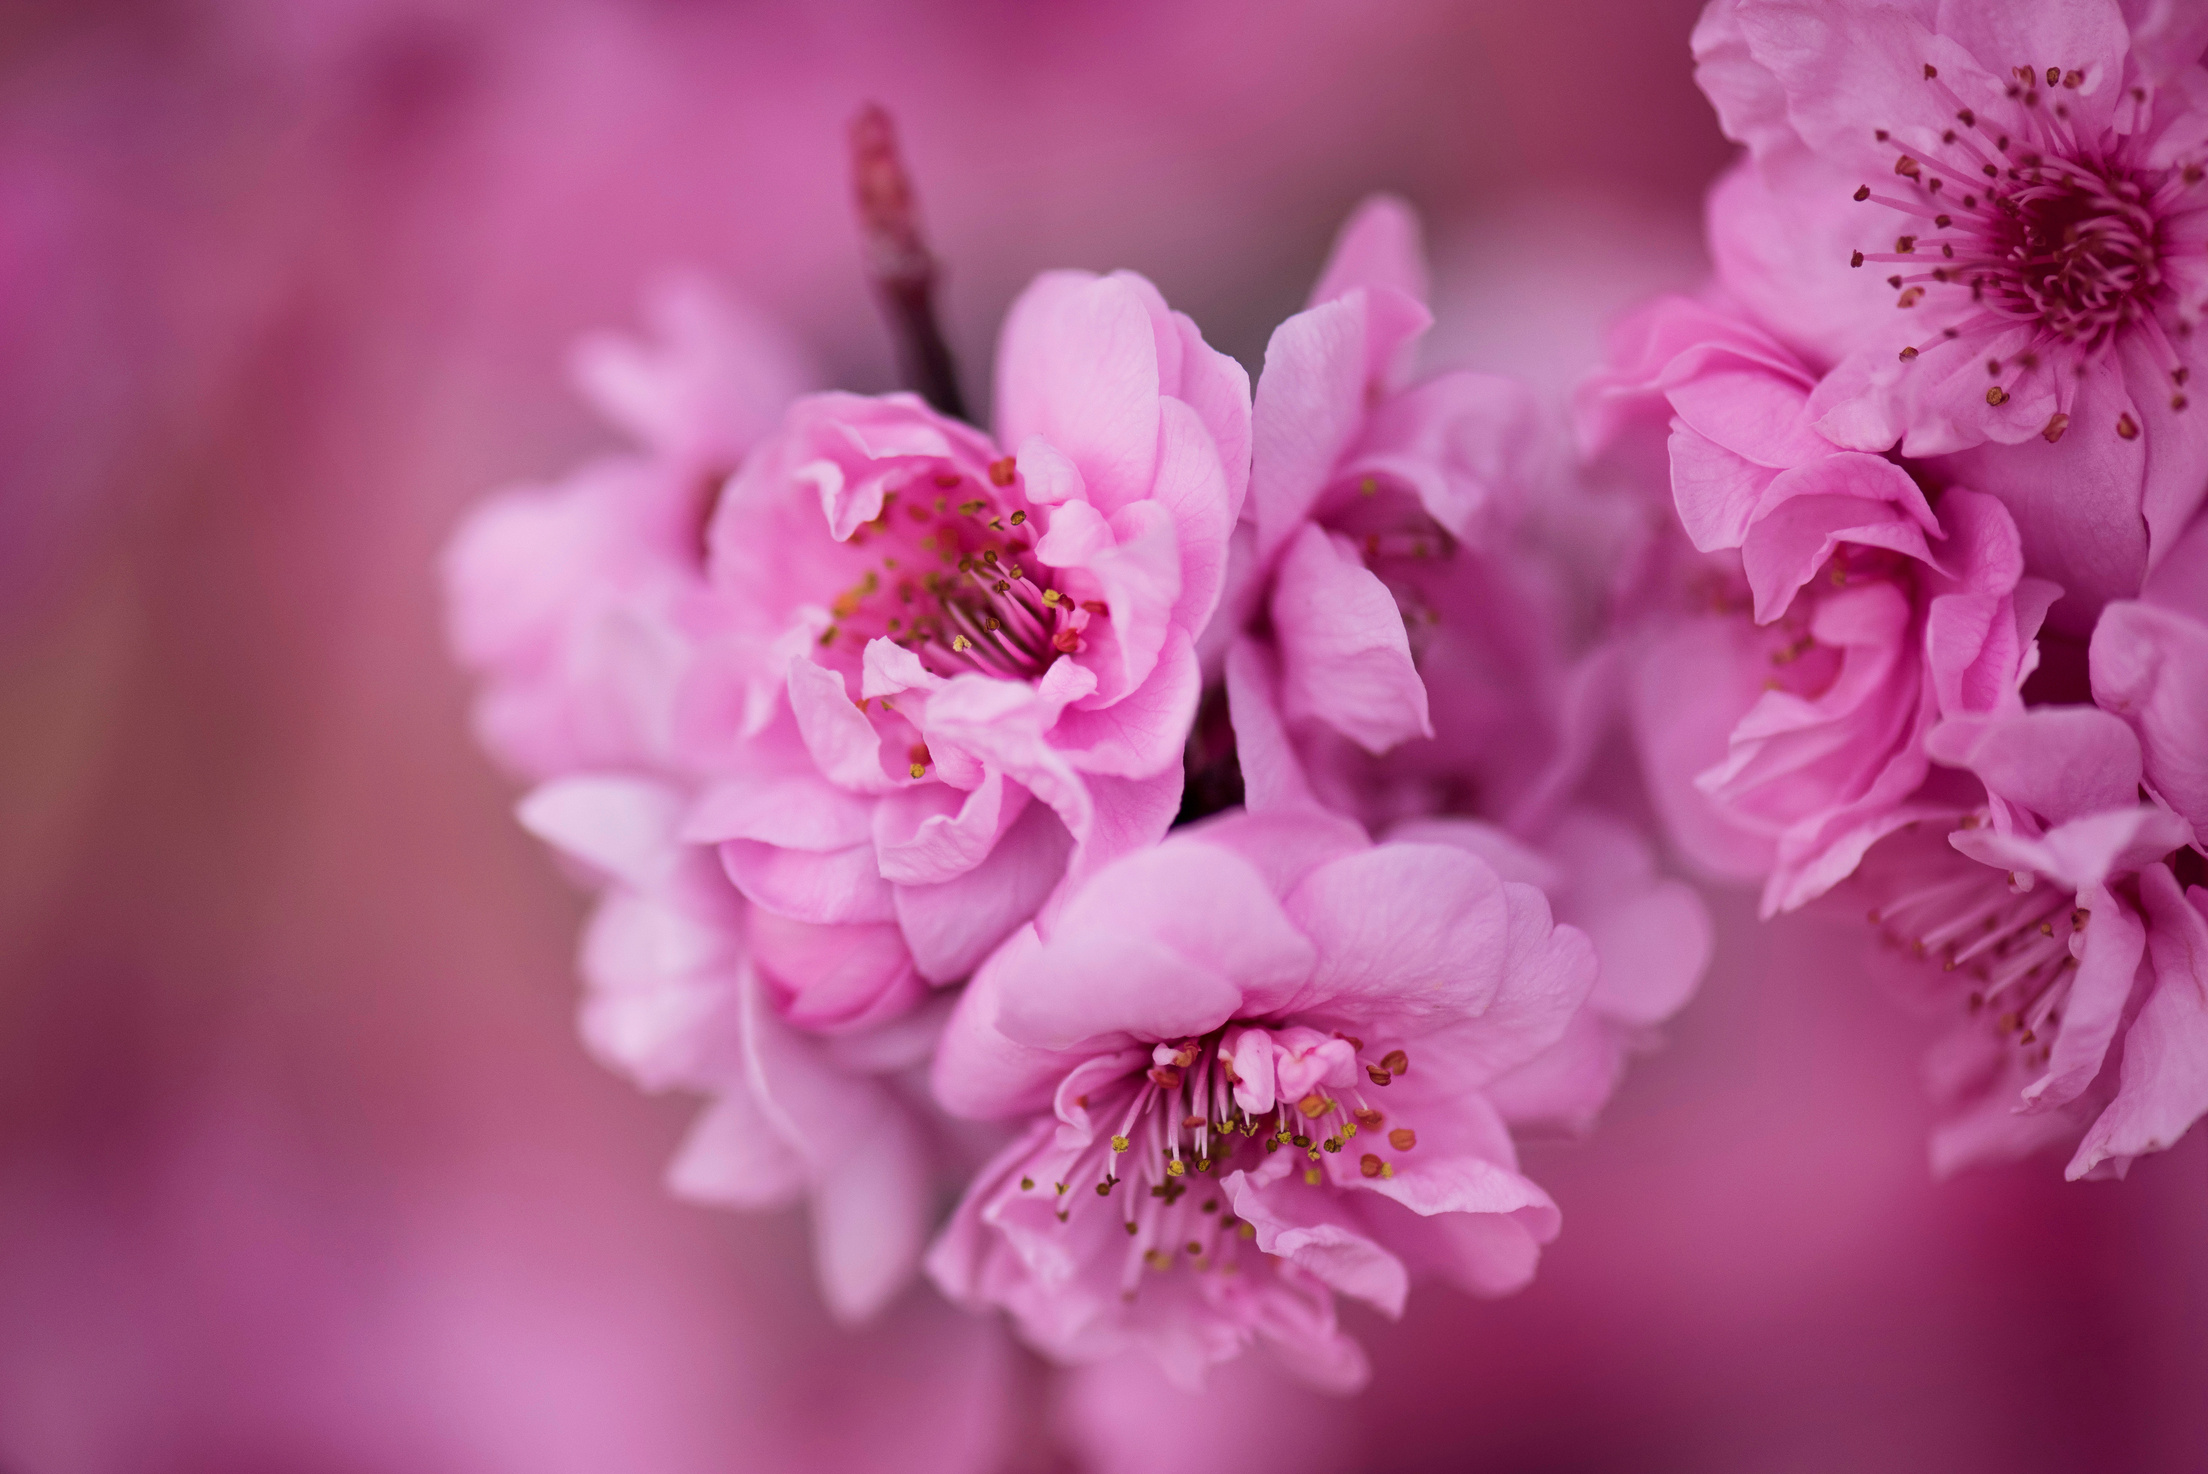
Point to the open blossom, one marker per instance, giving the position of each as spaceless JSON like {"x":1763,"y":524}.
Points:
{"x":952,"y":665}
{"x":577,"y":602}
{"x":1253,"y":1061}
{"x":1404,"y":654}
{"x":1827,"y":616}
{"x":2067,"y":927}
{"x":2024,"y":182}
{"x":685,"y":994}
{"x":1376,"y":502}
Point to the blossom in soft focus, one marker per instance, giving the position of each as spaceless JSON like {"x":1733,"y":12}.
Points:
{"x":1378,"y":506}
{"x":1252,"y":1064}
{"x":949,"y":666}
{"x":1825,"y":616}
{"x":2023,"y":182}
{"x":1403,"y":659}
{"x":681,"y":996}
{"x":2059,"y":921}
{"x":578,"y":603}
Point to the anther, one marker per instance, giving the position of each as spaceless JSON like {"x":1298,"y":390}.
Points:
{"x":1863,"y":194}
{"x":1402,"y":1138}
{"x":1907,"y":354}
{"x":2126,"y":427}
{"x":1856,"y":259}
{"x":1997,"y":396}
{"x":1396,"y":1062}
{"x":2056,"y":424}
{"x":1370,"y":1165}
{"x":1001,"y":471}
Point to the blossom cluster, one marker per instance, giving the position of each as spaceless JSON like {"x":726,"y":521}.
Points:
{"x":1932,"y":551}
{"x":1143,"y":867}
{"x":1155,"y":823}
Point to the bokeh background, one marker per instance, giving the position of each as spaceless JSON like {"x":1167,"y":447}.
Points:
{"x":301,"y":1165}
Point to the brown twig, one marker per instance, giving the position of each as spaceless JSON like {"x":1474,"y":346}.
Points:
{"x":897,"y":260}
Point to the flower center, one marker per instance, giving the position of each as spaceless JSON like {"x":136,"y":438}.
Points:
{"x":1193,"y":1116}
{"x":947,"y":574}
{"x":2010,"y":936}
{"x":2044,"y":229}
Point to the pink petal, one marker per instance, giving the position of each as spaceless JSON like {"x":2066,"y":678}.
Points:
{"x":1077,"y":365}
{"x":1211,"y":934}
{"x":2150,"y":667}
{"x":1378,"y":246}
{"x":2164,"y":1086}
{"x":2114,"y":944}
{"x":2060,"y":762}
{"x":1410,"y":931}
{"x":953,"y":925}
{"x":1344,"y":656}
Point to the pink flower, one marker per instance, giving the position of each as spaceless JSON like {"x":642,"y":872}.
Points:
{"x":1371,"y":496}
{"x":684,"y":995}
{"x":1400,"y":585}
{"x":2150,"y":667}
{"x":2072,"y":929}
{"x":1827,"y":617}
{"x":574,"y":601}
{"x":1253,"y":1061}
{"x":951,"y":667}
{"x":2024,"y":181}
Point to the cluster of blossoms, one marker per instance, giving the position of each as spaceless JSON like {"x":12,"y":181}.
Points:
{"x":1931,"y":555}
{"x":1156,"y":825}
{"x":1163,"y":826}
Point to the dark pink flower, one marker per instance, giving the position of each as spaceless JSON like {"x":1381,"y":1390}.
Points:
{"x":1404,"y":655}
{"x":1254,"y":1061}
{"x":2025,"y":183}
{"x":1370,"y":494}
{"x":1825,"y":617}
{"x":2069,"y":928}
{"x":953,"y":665}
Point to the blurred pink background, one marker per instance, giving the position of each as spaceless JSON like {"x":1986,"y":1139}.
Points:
{"x":301,"y":1165}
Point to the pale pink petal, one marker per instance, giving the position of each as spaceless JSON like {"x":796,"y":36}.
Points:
{"x":2164,"y":1086}
{"x":954,"y":924}
{"x":1077,"y":365}
{"x":2150,"y":668}
{"x":1345,"y":658}
{"x":1404,"y":930}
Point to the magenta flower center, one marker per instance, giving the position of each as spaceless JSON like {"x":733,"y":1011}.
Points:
{"x":2012,"y":944}
{"x":949,"y":574}
{"x":2043,"y":230}
{"x":1179,"y":1126}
